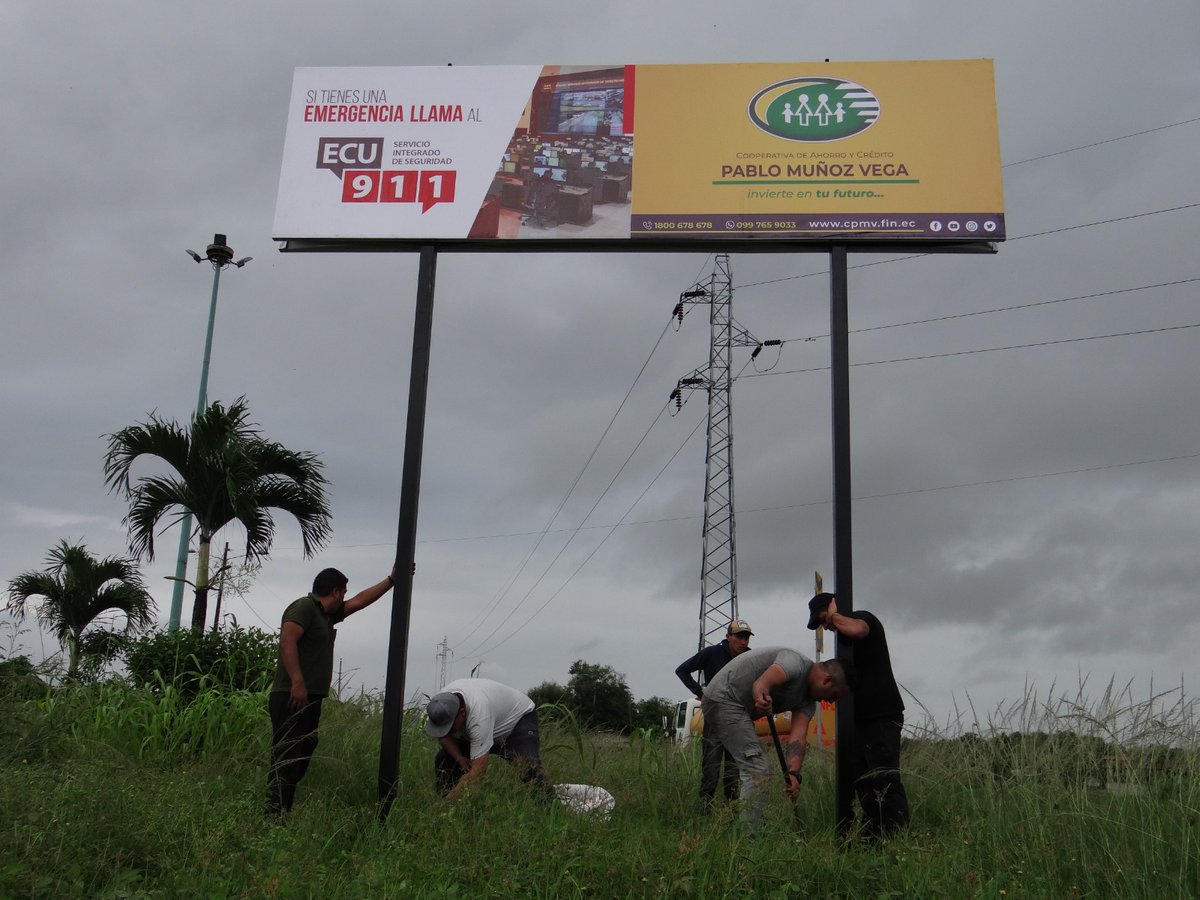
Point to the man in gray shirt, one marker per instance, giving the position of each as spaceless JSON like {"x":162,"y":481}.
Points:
{"x":763,"y":682}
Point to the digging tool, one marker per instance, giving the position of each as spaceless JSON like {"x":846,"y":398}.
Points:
{"x":783,"y":765}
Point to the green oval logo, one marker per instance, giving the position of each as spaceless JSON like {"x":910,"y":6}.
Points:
{"x":814,"y":110}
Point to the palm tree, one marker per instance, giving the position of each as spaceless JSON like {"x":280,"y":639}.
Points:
{"x":76,"y":589}
{"x":223,"y":470}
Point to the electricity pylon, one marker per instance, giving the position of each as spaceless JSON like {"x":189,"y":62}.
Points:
{"x":718,"y":571}
{"x":444,"y":652}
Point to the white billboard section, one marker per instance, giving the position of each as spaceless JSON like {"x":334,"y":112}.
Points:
{"x":395,"y":152}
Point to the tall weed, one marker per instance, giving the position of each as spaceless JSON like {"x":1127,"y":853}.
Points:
{"x":118,"y":792}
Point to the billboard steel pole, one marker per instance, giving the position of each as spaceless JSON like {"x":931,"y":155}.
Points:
{"x":839,"y":366}
{"x":406,"y":534}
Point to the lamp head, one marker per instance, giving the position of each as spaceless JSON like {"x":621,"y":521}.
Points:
{"x":219,"y":252}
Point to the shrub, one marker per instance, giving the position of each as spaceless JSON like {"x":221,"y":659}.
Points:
{"x":19,"y":679}
{"x":236,"y":659}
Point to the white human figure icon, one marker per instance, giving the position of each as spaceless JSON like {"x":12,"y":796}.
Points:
{"x":787,"y":113}
{"x":823,"y":111}
{"x":803,"y":111}
{"x":839,"y":112}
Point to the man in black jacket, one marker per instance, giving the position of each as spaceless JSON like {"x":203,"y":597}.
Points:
{"x":878,"y":716}
{"x":710,"y":661}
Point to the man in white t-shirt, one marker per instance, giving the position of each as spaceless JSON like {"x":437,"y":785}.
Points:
{"x":473,"y":718}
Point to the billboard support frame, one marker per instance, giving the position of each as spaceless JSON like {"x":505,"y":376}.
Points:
{"x":839,"y":383}
{"x":853,"y":244}
{"x":406,"y":534}
{"x":435,"y":160}
{"x":414,"y":439}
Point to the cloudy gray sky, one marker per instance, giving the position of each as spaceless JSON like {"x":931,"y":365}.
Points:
{"x":1024,"y":517}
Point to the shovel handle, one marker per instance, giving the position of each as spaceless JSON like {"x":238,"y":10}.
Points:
{"x":783,"y":765}
{"x":778,"y":747}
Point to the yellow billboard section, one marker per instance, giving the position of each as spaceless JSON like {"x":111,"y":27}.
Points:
{"x":908,"y":149}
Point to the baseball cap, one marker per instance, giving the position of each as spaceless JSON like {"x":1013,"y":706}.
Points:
{"x":739,"y":625}
{"x":816,"y":606}
{"x":441,"y":710}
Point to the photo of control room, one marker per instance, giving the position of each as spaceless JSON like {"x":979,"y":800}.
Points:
{"x":570,"y":172}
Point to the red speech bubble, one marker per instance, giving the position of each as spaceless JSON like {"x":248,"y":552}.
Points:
{"x":436,"y":187}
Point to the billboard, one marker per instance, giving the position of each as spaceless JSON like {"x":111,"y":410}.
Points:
{"x":873,"y":151}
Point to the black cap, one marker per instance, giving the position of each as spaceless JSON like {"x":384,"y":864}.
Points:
{"x":816,"y":606}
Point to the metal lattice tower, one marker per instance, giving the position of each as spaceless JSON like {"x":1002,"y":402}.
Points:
{"x":718,"y":572}
{"x":443,"y":653}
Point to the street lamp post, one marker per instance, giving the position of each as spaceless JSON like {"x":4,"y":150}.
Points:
{"x":220,"y":254}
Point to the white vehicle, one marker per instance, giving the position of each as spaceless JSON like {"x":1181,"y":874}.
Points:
{"x":688,"y":720}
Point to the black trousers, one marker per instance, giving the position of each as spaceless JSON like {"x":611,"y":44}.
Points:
{"x":877,"y":777}
{"x":294,"y":739}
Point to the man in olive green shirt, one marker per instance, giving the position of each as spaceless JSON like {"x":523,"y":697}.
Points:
{"x":303,"y":675}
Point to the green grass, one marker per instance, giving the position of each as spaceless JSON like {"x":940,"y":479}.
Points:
{"x":110,"y":792}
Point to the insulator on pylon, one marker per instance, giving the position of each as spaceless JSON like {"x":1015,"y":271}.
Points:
{"x":772,"y":343}
{"x":693,"y":294}
{"x":678,"y":313}
{"x":757,"y":350}
{"x":677,"y":396}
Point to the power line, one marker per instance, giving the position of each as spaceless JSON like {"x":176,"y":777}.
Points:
{"x":583,"y":522}
{"x":880,"y":362}
{"x":547,"y":529}
{"x":1004,"y":166}
{"x":1000,"y":309}
{"x":582,"y":526}
{"x":947,"y":487}
{"x":666,"y":520}
{"x":1033,"y":305}
{"x":1021,"y":162}
{"x":596,"y":549}
{"x":1142,"y":215}
{"x":813,"y":503}
{"x":533,"y":549}
{"x":1021,"y":237}
{"x":574,"y":532}
{"x":984,"y":350}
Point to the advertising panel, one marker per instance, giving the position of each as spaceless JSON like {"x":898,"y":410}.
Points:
{"x":891,"y":151}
